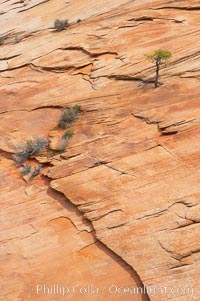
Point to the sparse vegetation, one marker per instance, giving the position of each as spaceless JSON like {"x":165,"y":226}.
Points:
{"x":98,"y":162}
{"x":60,"y":25}
{"x":52,"y":153}
{"x":159,"y":57}
{"x":25,"y":169}
{"x":68,"y":134}
{"x":32,"y":148}
{"x":68,"y":115}
{"x":17,"y":39}
{"x":1,"y":41}
{"x":35,"y":172}
{"x":63,"y":144}
{"x":39,"y":145}
{"x":36,"y":145}
{"x":21,"y":157}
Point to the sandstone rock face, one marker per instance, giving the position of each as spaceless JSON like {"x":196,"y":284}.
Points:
{"x":45,"y":241}
{"x":119,"y":208}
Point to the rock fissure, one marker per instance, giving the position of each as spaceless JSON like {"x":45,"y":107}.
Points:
{"x":28,"y":8}
{"x":69,"y":219}
{"x":148,"y":18}
{"x":187,"y":8}
{"x":98,"y":240}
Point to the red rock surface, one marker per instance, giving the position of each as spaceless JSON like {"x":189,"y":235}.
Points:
{"x":121,"y":204}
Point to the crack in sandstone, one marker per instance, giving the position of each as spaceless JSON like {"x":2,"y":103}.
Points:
{"x":130,"y":26}
{"x":9,"y":57}
{"x":105,"y":163}
{"x":166,"y":209}
{"x":18,"y":2}
{"x":16,"y":67}
{"x":133,"y":271}
{"x":63,"y":216}
{"x":105,"y":247}
{"x":18,"y":237}
{"x":177,"y":256}
{"x":122,"y":77}
{"x":116,"y":226}
{"x":174,"y":256}
{"x":88,"y":80}
{"x":152,"y":215}
{"x":58,"y":68}
{"x":187,"y":8}
{"x":42,"y":2}
{"x":186,"y":225}
{"x":178,"y":123}
{"x":77,"y":48}
{"x":170,"y":128}
{"x":97,"y":218}
{"x":81,"y":206}
{"x":147,"y":119}
{"x":186,"y":203}
{"x":125,"y":265}
{"x":92,"y":243}
{"x":148,"y":18}
{"x":178,"y":266}
{"x":169,"y":152}
{"x":91,"y":54}
{"x":35,"y":109}
{"x":120,"y":171}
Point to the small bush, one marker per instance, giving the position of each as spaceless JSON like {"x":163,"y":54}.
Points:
{"x":36,"y":145}
{"x":63,"y":143}
{"x":35,"y":172}
{"x":33,"y":147}
{"x":68,"y":134}
{"x":60,"y":25}
{"x":68,"y":116}
{"x":79,"y":20}
{"x":62,"y":146}
{"x":25,"y":169}
{"x":21,"y":157}
{"x":98,"y":162}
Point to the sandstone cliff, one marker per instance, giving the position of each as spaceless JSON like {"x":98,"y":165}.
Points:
{"x":121,"y":204}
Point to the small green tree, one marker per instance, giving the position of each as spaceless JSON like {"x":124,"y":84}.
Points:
{"x":159,"y":57}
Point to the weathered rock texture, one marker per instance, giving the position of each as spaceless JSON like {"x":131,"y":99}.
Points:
{"x":121,"y":204}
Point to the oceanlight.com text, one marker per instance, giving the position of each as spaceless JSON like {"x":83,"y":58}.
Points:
{"x":111,"y":289}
